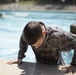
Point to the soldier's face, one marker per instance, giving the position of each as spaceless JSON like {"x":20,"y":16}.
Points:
{"x":39,"y":42}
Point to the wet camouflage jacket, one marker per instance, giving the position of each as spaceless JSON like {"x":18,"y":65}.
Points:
{"x":49,"y":52}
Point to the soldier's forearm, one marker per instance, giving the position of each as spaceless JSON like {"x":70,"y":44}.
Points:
{"x":74,"y":59}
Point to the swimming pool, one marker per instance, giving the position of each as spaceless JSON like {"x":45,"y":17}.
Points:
{"x":13,"y":22}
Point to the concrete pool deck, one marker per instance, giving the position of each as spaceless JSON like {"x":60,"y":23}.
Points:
{"x":28,"y":69}
{"x":36,"y":7}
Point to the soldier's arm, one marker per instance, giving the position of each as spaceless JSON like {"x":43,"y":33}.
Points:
{"x":74,"y":59}
{"x":23,"y":48}
{"x":73,"y":46}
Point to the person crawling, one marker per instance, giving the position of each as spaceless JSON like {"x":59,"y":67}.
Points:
{"x":47,"y":44}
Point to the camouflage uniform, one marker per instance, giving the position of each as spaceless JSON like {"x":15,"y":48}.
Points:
{"x":49,"y":52}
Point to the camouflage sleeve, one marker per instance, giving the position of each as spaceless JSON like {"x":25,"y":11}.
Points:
{"x":67,"y":41}
{"x":74,"y":57}
{"x":23,"y":48}
{"x":71,"y":44}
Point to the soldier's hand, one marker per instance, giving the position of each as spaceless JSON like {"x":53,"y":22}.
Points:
{"x":17,"y":61}
{"x":69,"y":69}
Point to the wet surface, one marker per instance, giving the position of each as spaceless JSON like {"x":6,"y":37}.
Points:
{"x":39,"y":69}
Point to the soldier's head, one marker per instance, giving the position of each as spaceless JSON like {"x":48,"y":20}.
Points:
{"x":34,"y":33}
{"x":73,"y":28}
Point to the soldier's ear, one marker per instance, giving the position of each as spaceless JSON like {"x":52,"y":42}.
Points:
{"x":44,"y":33}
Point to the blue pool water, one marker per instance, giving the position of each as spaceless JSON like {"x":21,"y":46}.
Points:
{"x":13,"y":22}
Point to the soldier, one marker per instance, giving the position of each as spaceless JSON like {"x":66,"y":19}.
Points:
{"x":46,"y":43}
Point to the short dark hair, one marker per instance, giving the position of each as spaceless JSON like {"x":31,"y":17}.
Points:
{"x":32,"y":32}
